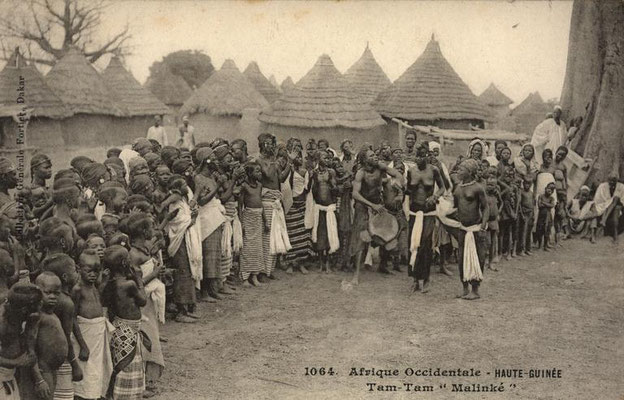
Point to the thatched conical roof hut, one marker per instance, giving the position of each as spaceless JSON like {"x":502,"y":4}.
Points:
{"x":83,"y":91}
{"x":261,"y":83}
{"x":170,"y":89}
{"x":47,"y":109}
{"x":431,"y":93}
{"x":322,"y":104}
{"x":366,"y":76}
{"x":215,"y":109}
{"x":493,"y":97}
{"x":128,"y":92}
{"x":138,"y":104}
{"x":287,"y":84}
{"x":530,"y":113}
{"x":80,"y":86}
{"x":273,"y":82}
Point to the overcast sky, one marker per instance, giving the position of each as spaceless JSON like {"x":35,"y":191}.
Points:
{"x":520,"y":46}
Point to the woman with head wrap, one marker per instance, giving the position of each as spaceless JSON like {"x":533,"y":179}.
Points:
{"x":113,"y":152}
{"x":117,"y":170}
{"x":185,"y":169}
{"x":66,"y":196}
{"x":79,"y":162}
{"x":93,"y":176}
{"x":525,"y":164}
{"x":142,"y":146}
{"x":169,"y":155}
{"x":142,"y":184}
{"x":153,"y":160}
{"x":40,"y":172}
{"x":476,"y":149}
{"x":138,"y":166}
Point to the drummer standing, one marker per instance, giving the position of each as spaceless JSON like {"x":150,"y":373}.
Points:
{"x":367,"y":195}
{"x":421,"y":181}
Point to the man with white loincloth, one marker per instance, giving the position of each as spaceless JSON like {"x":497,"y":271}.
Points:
{"x":469,"y":227}
{"x":550,"y":134}
{"x":422,"y":181}
{"x":275,"y":241}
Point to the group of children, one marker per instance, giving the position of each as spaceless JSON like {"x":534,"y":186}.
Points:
{"x":97,"y":261}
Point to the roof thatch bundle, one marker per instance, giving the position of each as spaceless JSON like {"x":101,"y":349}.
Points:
{"x":226,"y":92}
{"x":261,"y":83}
{"x":274,"y":82}
{"x":128,"y":92}
{"x":366,"y":76}
{"x":38,"y":95}
{"x":287,"y":84}
{"x":169,"y":88}
{"x":81,"y":88}
{"x":493,"y":97}
{"x":532,"y":104}
{"x":322,"y":99}
{"x":430,"y":90}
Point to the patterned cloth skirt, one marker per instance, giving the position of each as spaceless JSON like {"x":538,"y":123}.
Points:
{"x":211,"y":252}
{"x":251,"y":254}
{"x":298,"y":235}
{"x":183,"y":283}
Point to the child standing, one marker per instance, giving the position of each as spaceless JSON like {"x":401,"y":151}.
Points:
{"x":509,"y":213}
{"x":545,"y":203}
{"x":124,"y":296}
{"x":254,"y":224}
{"x":525,"y":218}
{"x":494,"y":205}
{"x":91,"y":331}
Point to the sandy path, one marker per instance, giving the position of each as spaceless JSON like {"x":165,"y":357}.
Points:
{"x":557,"y":310}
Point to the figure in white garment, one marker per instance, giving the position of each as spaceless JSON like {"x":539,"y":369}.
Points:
{"x":550,"y":134}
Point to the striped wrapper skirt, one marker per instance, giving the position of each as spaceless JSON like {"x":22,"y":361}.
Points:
{"x":64,"y":386}
{"x":251,"y":258}
{"x":211,"y":254}
{"x":298,"y":235}
{"x":226,"y":258}
{"x":130,"y":382}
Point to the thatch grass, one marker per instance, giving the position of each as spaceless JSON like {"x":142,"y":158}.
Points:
{"x":430,"y":90}
{"x":261,"y":83}
{"x":366,"y":76}
{"x":530,"y":112}
{"x":37,"y":94}
{"x":287,"y":84}
{"x":492,"y":96}
{"x":226,"y":92}
{"x":322,"y":99}
{"x":81,"y":88}
{"x":128,"y":92}
{"x":169,"y":88}
{"x":273,"y":82}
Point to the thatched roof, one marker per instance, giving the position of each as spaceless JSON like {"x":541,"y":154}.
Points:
{"x":322,"y":99}
{"x":287,"y":84}
{"x":128,"y":92}
{"x":492,"y":96}
{"x":38,"y":94}
{"x":274,"y":82}
{"x":366,"y":76}
{"x":169,"y":88}
{"x":226,"y":92}
{"x":430,"y":90}
{"x":532,"y":104}
{"x":261,"y":83}
{"x":80,"y":86}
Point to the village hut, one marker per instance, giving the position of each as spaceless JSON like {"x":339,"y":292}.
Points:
{"x":287,"y":84}
{"x":81,"y":88}
{"x":431,"y":93}
{"x":23,"y":87}
{"x":170,"y":89}
{"x":530,"y":113}
{"x":138,"y":104}
{"x":216,"y":108}
{"x":366,"y":76}
{"x":261,"y":83}
{"x":498,"y":104}
{"x":323,"y":105}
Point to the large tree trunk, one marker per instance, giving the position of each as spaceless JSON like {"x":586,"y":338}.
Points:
{"x":594,"y":83}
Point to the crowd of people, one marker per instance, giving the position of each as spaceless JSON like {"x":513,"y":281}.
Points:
{"x":97,"y":261}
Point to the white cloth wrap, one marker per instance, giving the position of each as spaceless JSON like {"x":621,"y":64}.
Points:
{"x":287,"y":194}
{"x":155,"y":289}
{"x":416,"y":234}
{"x":279,"y":242}
{"x":603,"y":197}
{"x":126,"y":155}
{"x":331,"y":223}
{"x":548,"y":135}
{"x":308,"y":218}
{"x":180,"y":229}
{"x":211,"y":215}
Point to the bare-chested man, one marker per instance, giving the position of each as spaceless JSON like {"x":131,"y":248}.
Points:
{"x":367,"y":188}
{"x":275,"y":241}
{"x":472,"y":217}
{"x":421,"y":182}
{"x":325,"y":230}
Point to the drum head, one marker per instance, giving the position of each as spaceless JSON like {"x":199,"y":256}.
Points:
{"x":383,"y":226}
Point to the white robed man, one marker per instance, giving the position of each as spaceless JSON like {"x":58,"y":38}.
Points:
{"x":187,"y":134}
{"x":157,"y":132}
{"x":549,"y":134}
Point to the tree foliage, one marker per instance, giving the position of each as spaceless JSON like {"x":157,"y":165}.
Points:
{"x":192,"y":65}
{"x":46,"y":29}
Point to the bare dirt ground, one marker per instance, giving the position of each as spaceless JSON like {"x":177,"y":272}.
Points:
{"x":559,"y":310}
